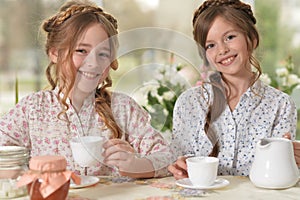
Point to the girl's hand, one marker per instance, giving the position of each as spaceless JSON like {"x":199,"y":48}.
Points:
{"x":119,"y":153}
{"x":296,"y":146}
{"x":179,"y":168}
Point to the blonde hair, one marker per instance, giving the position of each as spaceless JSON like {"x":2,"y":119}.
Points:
{"x":62,"y":31}
{"x":240,"y":15}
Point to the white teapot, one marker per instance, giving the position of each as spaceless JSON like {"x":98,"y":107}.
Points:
{"x":274,"y":165}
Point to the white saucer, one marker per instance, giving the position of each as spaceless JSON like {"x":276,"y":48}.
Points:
{"x":186,"y":183}
{"x":85,"y":182}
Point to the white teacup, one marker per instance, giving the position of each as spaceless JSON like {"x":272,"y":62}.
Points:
{"x":87,"y":150}
{"x":202,"y":170}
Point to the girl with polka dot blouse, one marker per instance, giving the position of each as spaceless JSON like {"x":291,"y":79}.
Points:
{"x":226,"y":116}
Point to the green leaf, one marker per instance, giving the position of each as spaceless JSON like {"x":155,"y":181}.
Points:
{"x":151,"y":99}
{"x":162,"y":89}
{"x":274,"y":83}
{"x":16,"y":90}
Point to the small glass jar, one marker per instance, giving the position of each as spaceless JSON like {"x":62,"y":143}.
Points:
{"x":13,"y":164}
{"x":47,"y":178}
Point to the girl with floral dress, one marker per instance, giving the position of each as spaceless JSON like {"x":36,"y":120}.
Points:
{"x":81,"y":43}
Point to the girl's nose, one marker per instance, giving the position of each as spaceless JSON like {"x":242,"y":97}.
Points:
{"x":223,"y":49}
{"x":91,"y":60}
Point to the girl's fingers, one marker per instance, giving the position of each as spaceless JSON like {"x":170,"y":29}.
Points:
{"x":287,"y":136}
{"x":181,"y":163}
{"x":178,"y":169}
{"x":115,"y":148}
{"x":113,"y":142}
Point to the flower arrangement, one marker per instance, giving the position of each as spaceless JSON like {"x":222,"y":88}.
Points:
{"x":285,"y":79}
{"x":162,"y":93}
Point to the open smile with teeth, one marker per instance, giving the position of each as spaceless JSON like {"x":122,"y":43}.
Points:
{"x":227,"y":60}
{"x":89,"y":75}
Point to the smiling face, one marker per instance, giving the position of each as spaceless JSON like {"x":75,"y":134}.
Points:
{"x":92,"y":59}
{"x":227,"y":50}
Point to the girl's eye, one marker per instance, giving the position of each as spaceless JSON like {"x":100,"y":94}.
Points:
{"x":230,"y":37}
{"x":209,"y":46}
{"x":82,"y":51}
{"x":104,"y":55}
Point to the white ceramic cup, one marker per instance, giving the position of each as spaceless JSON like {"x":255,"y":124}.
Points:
{"x":87,"y":150}
{"x":202,"y":170}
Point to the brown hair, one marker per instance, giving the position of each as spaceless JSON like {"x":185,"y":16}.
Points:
{"x":62,"y":31}
{"x":241,"y":16}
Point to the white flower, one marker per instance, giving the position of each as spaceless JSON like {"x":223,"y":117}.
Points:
{"x":168,"y":95}
{"x":284,"y":79}
{"x":282,"y":72}
{"x":265,"y":78}
{"x":292,"y":79}
{"x":151,"y":87}
{"x":166,"y":112}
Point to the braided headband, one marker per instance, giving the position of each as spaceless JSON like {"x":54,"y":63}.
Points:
{"x":236,"y":4}
{"x":75,"y":9}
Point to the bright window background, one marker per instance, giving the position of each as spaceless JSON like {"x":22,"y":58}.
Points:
{"x":22,"y":56}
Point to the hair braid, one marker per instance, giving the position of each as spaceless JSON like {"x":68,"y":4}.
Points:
{"x":66,"y":13}
{"x":103,"y":108}
{"x":237,"y":4}
{"x":214,"y":111}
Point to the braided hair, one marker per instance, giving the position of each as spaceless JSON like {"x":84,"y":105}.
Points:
{"x":62,"y":31}
{"x":230,"y":3}
{"x":241,"y":16}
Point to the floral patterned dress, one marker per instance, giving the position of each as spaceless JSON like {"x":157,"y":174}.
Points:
{"x":34,"y":123}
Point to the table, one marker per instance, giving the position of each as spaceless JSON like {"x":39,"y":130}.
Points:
{"x":114,"y":188}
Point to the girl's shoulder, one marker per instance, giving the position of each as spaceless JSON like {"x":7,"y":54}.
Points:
{"x":197,"y":92}
{"x":38,"y":97}
{"x":274,"y":93}
{"x":119,"y":97}
{"x":276,"y":96}
{"x":123,"y":103}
